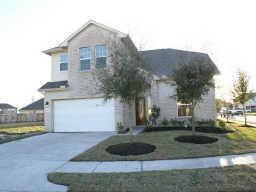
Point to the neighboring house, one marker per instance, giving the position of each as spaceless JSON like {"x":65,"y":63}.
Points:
{"x":8,"y":113}
{"x":73,"y":102}
{"x":32,"y":112}
{"x":251,"y":105}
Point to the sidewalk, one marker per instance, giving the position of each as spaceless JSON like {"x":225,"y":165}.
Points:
{"x":138,"y":166}
{"x":239,"y":120}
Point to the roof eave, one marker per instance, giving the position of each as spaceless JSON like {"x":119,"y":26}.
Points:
{"x":55,"y":50}
{"x":53,"y":89}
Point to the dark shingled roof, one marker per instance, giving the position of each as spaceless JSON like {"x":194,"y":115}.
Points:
{"x":55,"y":85}
{"x":6,"y":106}
{"x":164,"y":61}
{"x":37,"y":105}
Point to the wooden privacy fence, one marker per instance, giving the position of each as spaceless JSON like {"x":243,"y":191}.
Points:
{"x":22,"y":117}
{"x":4,"y":118}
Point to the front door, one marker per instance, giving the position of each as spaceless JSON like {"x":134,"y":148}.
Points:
{"x":140,"y":111}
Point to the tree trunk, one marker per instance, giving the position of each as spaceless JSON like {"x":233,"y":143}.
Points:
{"x":193,"y":120}
{"x":227,"y":116}
{"x":130,"y":118}
{"x":245,"y":117}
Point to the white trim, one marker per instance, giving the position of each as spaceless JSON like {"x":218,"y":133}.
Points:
{"x":182,"y":104}
{"x":85,"y":58}
{"x":95,"y":49}
{"x":61,"y":62}
{"x":53,"y":89}
{"x":55,"y":50}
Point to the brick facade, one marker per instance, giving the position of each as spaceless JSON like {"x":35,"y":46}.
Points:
{"x":83,"y":84}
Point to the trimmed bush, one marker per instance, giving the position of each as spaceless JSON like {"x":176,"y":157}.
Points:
{"x":120,"y":128}
{"x":215,"y":130}
{"x":164,"y":122}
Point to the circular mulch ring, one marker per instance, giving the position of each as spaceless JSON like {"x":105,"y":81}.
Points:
{"x":197,"y":139}
{"x":125,"y":149}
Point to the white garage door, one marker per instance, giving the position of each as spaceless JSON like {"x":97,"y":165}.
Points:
{"x":82,"y":115}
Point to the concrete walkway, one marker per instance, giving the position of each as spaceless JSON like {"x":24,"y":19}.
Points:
{"x":137,"y":166}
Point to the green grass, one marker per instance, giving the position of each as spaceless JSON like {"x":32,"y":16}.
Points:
{"x":229,"y":179}
{"x":16,"y":125}
{"x":251,"y":114}
{"x":243,"y":140}
{"x":11,"y":132}
{"x":22,"y":130}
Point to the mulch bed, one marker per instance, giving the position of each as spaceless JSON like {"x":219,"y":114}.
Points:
{"x":196,"y":139}
{"x":215,"y":130}
{"x":135,"y":148}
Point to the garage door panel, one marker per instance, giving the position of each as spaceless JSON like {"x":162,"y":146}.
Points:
{"x":83,"y":115}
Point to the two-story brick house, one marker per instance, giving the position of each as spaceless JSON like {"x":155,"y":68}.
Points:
{"x":73,"y":102}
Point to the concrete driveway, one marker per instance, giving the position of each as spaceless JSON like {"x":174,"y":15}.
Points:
{"x":24,"y":164}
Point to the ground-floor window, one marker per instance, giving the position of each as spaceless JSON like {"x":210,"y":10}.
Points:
{"x":184,"y":110}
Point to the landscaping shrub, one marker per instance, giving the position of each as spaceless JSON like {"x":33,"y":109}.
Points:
{"x":121,"y":128}
{"x":155,"y":114}
{"x":187,"y":123}
{"x":215,"y":130}
{"x":165,"y":122}
{"x":176,"y":123}
{"x":221,"y":124}
{"x":207,"y":123}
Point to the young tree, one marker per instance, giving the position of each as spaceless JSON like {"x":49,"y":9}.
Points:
{"x":241,"y":93}
{"x":193,"y":78}
{"x":125,"y":79}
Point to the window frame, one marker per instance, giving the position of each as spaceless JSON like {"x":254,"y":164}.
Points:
{"x":183,"y":104}
{"x":101,"y":55}
{"x":61,"y":62}
{"x":85,"y":58}
{"x":11,"y":110}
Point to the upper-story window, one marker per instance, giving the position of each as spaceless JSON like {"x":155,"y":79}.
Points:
{"x":85,"y":58}
{"x":63,"y":62}
{"x":101,"y":56}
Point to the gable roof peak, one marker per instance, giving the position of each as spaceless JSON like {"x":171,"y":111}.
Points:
{"x":65,"y":42}
{"x":6,"y":106}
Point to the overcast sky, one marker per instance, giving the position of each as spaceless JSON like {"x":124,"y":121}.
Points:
{"x":226,"y":30}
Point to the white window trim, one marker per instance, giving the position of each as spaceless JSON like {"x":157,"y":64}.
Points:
{"x":61,"y":62}
{"x":96,"y":51}
{"x":186,"y":116}
{"x":85,"y":58}
{"x":95,"y":54}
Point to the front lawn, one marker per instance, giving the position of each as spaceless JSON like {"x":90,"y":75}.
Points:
{"x":228,"y":179}
{"x":11,"y":132}
{"x":251,"y":114}
{"x":242,"y":140}
{"x":16,"y":125}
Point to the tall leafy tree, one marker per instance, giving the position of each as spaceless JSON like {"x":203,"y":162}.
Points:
{"x":241,"y":93}
{"x":125,"y":79}
{"x":193,"y":78}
